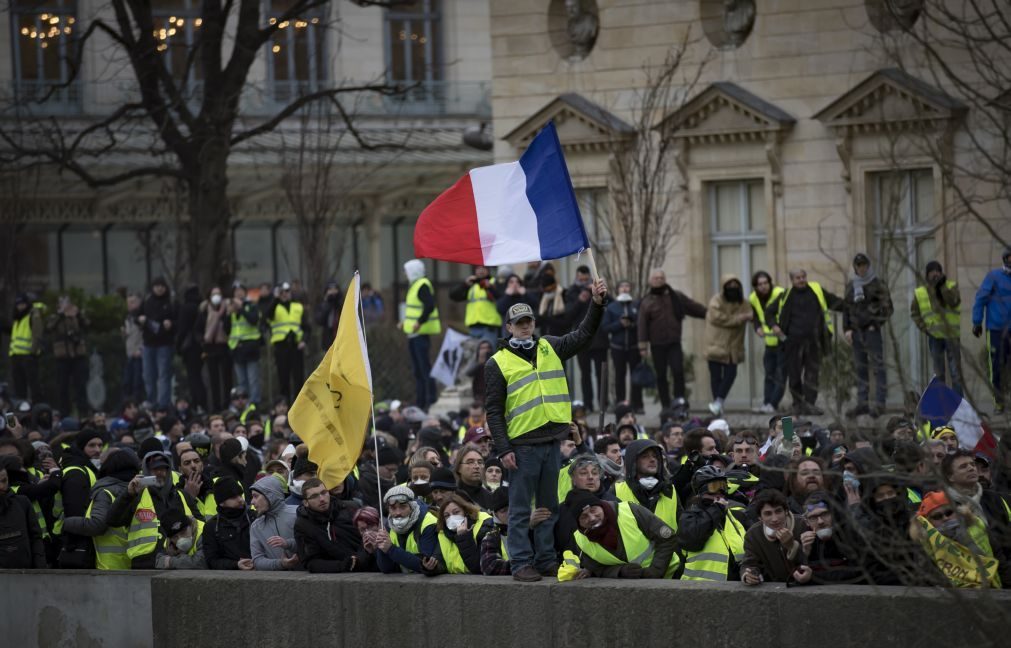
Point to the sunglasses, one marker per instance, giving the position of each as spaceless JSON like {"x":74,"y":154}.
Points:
{"x":941,"y":515}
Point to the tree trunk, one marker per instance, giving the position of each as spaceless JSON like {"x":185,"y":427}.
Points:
{"x":209,"y":245}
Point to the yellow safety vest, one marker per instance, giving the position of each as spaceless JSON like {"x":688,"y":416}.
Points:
{"x":480,"y":309}
{"x":241,"y":331}
{"x":713,"y":561}
{"x":534,"y":397}
{"x":666,"y":507}
{"x":21,"y":333}
{"x":143,"y":536}
{"x":110,"y":547}
{"x":196,"y":537}
{"x":245,"y":414}
{"x":820,"y":294}
{"x":962,"y":567}
{"x":58,"y":519}
{"x":771,"y":339}
{"x":564,"y":483}
{"x":411,"y":546}
{"x":414,"y":307}
{"x":638,"y":548}
{"x":569,"y":568}
{"x":286,"y":320}
{"x":38,"y":513}
{"x":943,"y":325}
{"x":451,"y":554}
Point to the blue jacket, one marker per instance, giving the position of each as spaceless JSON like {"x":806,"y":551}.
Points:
{"x":994,"y":295}
{"x":624,"y":339}
{"x":397,"y":557}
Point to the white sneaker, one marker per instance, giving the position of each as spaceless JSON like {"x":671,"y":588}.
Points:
{"x":715,"y":408}
{"x":768,"y":409}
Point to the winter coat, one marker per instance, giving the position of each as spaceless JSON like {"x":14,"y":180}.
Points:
{"x":623,"y":338}
{"x":20,"y":536}
{"x":724,"y":337}
{"x":133,"y":335}
{"x":871,"y":312}
{"x":660,"y":536}
{"x":398,"y":557}
{"x":768,"y":556}
{"x":329,"y":543}
{"x":67,"y":335}
{"x":189,"y":336}
{"x":125,"y":507}
{"x":328,"y":314}
{"x":226,"y":540}
{"x":97,"y":523}
{"x":157,"y":310}
{"x":278,"y":520}
{"x":660,"y":316}
{"x":76,"y":494}
{"x":211,"y":323}
{"x":576,"y":311}
{"x":941,"y":297}
{"x":700,"y":521}
{"x":993,"y":296}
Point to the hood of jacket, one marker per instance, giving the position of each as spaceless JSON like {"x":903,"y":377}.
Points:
{"x":866,"y":460}
{"x":191,"y":295}
{"x":632,"y":452}
{"x":270,"y":487}
{"x":37,"y":411}
{"x":119,"y":464}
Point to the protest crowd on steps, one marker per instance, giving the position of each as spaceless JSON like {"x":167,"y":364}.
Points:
{"x":525,"y":482}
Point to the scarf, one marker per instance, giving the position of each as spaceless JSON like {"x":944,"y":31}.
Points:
{"x":606,"y":534}
{"x":972,"y":501}
{"x":859,"y":283}
{"x":551,"y":304}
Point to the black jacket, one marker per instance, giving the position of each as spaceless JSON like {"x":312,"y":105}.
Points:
{"x":328,"y":543}
{"x":20,"y":537}
{"x":226,"y":540}
{"x":189,"y":336}
{"x":495,"y":386}
{"x":157,"y":310}
{"x":76,"y":494}
{"x":328,"y":314}
{"x":801,"y":315}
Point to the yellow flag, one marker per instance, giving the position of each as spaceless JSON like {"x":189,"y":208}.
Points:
{"x":331,"y":413}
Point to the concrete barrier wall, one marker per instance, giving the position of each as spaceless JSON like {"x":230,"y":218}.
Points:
{"x":208,"y":609}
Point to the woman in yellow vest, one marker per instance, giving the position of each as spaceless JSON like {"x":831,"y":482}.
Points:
{"x":462,"y":528}
{"x":622,"y":541}
{"x":184,"y":547}
{"x":421,"y":322}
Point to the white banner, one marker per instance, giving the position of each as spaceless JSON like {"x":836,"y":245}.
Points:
{"x":450,"y":356}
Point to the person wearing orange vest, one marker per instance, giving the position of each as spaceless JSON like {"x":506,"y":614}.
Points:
{"x":936,"y":311}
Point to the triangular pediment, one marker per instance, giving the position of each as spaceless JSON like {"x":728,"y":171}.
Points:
{"x":891,"y":98}
{"x":726,"y":112}
{"x":581,"y":124}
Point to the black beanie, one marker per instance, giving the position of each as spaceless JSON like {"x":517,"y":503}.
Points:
{"x":443,"y":479}
{"x":86,"y":435}
{"x":149,"y":445}
{"x":390,"y":455}
{"x":579,"y":499}
{"x":226,"y":488}
{"x":173,"y":521}
{"x":302,"y":466}
{"x":230,"y":449}
{"x":499,"y":499}
{"x":934,"y":266}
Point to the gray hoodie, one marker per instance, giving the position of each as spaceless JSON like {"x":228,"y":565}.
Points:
{"x":95,"y":525}
{"x":278,"y":521}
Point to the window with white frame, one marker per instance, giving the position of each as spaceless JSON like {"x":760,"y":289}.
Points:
{"x":42,"y":34}
{"x":903,"y":209}
{"x":737,"y":235}
{"x":297,"y":55}
{"x":414,"y":42}
{"x":176,"y":29}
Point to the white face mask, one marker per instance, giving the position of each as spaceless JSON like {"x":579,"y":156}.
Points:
{"x":215,"y":299}
{"x":97,"y":463}
{"x":296,"y":486}
{"x":624,"y":297}
{"x":184,"y":544}
{"x":770,"y":533}
{"x":649,"y":483}
{"x":399,"y":523}
{"x":420,"y":482}
{"x":824,"y":534}
{"x":453,"y":522}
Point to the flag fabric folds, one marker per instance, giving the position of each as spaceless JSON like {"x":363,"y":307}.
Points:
{"x":447,"y":364}
{"x":506,"y":213}
{"x":331,"y":413}
{"x":941,"y":405}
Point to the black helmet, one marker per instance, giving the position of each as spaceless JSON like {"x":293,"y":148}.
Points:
{"x":706,"y":474}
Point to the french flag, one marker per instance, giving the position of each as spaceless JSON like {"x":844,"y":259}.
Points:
{"x":506,"y":213}
{"x":941,"y":405}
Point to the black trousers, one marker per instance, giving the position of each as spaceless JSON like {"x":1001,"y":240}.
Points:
{"x":590,"y":361}
{"x":72,"y":372}
{"x":669,"y":356}
{"x":803,"y":360}
{"x":290,"y":369}
{"x":219,"y":374}
{"x":195,"y":377}
{"x":624,"y":362}
{"x":25,"y":373}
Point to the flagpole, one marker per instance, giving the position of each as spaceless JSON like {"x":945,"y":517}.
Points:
{"x":372,"y":398}
{"x":593,"y":264}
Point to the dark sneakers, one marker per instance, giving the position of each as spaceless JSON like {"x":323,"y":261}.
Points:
{"x":527,"y":574}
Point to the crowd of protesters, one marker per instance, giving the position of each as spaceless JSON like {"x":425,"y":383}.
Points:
{"x":164,"y":484}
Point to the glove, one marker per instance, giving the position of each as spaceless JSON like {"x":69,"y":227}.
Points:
{"x":977,"y":330}
{"x":630,"y":571}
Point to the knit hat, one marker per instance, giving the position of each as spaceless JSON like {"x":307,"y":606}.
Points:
{"x":934,"y":266}
{"x":579,"y":500}
{"x":939,"y":432}
{"x":443,"y":479}
{"x":366,"y":514}
{"x":226,"y":488}
{"x":493,"y":462}
{"x":87,"y":434}
{"x":150,"y":445}
{"x":620,"y":411}
{"x":303,"y":466}
{"x":399,"y":494}
{"x":173,"y":521}
{"x":230,"y":449}
{"x":390,"y":455}
{"x":69,"y":424}
{"x":931,"y":501}
{"x":583,"y":460}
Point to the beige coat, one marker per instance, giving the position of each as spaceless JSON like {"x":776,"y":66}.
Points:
{"x":725,"y":330}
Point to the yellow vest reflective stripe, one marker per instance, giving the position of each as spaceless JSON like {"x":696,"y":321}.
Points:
{"x":502,"y":547}
{"x":58,"y":501}
{"x":245,"y":414}
{"x":412,"y":539}
{"x":196,"y":537}
{"x":938,"y":326}
{"x":771,"y":339}
{"x":534,"y":397}
{"x":110,"y":547}
{"x":414,"y":307}
{"x":638,"y":548}
{"x":820,"y":294}
{"x":38,"y":513}
{"x":480,"y":309}
{"x":666,"y":507}
{"x":564,"y":483}
{"x":21,"y":337}
{"x":241,"y":331}
{"x":713,"y":561}
{"x":286,"y":320}
{"x":208,"y":506}
{"x":143,"y":535}
{"x":451,"y":554}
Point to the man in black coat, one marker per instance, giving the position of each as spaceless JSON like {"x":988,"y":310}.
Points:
{"x":328,"y":542}
{"x":158,"y":319}
{"x":226,"y":535}
{"x":21,"y":542}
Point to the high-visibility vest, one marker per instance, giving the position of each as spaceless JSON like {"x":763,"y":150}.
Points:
{"x":286,"y":319}
{"x":480,"y":309}
{"x":241,"y":331}
{"x":638,"y":548}
{"x":771,"y":339}
{"x":564,"y":483}
{"x":411,"y":545}
{"x":713,"y":561}
{"x":666,"y":507}
{"x":58,"y":519}
{"x":569,"y":568}
{"x":110,"y":547}
{"x":21,"y":333}
{"x":451,"y":554}
{"x":38,"y":513}
{"x":820,"y":294}
{"x":143,"y":535}
{"x":534,"y":397}
{"x":939,"y":325}
{"x":414,"y":307}
{"x":245,"y":414}
{"x":502,"y":547}
{"x":196,"y":537}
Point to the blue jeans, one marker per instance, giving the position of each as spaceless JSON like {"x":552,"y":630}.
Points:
{"x":868,"y":356}
{"x":775,"y":382}
{"x":420,"y":347}
{"x":247,"y":376}
{"x":158,"y":374}
{"x":534,"y":482}
{"x":133,"y":379}
{"x":488,"y":333}
{"x":939,"y":348}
